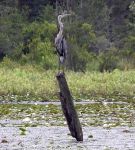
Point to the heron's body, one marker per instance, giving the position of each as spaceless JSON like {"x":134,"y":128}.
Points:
{"x":60,"y":42}
{"x":62,"y":49}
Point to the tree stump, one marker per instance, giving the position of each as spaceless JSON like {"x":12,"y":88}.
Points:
{"x":68,"y":108}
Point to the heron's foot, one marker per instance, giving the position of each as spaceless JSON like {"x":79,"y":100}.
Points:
{"x":61,"y":71}
{"x":60,"y":74}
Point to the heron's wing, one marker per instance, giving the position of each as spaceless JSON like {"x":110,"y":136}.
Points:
{"x":65,"y":45}
{"x":58,"y":43}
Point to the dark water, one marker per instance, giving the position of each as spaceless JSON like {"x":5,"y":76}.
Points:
{"x":42,"y":126}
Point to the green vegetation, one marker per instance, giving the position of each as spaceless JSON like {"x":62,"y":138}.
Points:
{"x":96,"y":114}
{"x":100,"y":37}
{"x":28,"y":82}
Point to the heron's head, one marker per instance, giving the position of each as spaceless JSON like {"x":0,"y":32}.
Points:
{"x":60,"y":17}
{"x":63,"y":15}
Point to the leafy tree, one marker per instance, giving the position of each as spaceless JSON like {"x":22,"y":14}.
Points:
{"x":79,"y":35}
{"x":38,"y":44}
{"x":27,"y":29}
{"x":11,"y":25}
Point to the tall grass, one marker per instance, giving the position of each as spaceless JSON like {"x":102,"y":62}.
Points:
{"x":29,"y":82}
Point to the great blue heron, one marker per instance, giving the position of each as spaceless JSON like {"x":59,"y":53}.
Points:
{"x":60,"y":42}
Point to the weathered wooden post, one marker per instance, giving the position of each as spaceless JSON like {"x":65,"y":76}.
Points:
{"x":68,"y":108}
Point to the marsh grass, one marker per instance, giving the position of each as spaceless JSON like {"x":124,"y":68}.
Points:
{"x":32,"y":83}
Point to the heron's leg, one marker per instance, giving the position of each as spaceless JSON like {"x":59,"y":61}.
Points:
{"x":63,"y":67}
{"x":59,"y":66}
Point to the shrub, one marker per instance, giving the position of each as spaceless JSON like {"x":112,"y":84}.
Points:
{"x":108,"y":60}
{"x":11,"y":25}
{"x":38,"y":44}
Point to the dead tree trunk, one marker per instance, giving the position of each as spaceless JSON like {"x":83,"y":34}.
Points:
{"x":69,"y":109}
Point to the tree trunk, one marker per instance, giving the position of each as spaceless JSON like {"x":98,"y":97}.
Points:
{"x":69,"y":109}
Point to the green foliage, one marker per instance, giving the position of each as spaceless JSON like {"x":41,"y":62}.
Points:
{"x":47,"y":13}
{"x":108,"y":60}
{"x":31,"y":83}
{"x":38,"y":44}
{"x":130,"y":44}
{"x":37,"y":8}
{"x":80,"y":33}
{"x":128,"y":54}
{"x":27,"y":30}
{"x":78,"y":58}
{"x":11,"y":25}
{"x":94,"y":12}
{"x":78,"y":49}
{"x":93,"y":62}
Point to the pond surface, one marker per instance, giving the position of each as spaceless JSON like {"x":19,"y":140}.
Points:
{"x":41,"y":126}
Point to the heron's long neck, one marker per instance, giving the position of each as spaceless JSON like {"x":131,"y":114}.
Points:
{"x":61,"y":27}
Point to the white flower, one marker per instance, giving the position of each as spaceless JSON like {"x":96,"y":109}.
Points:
{"x":27,"y":119}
